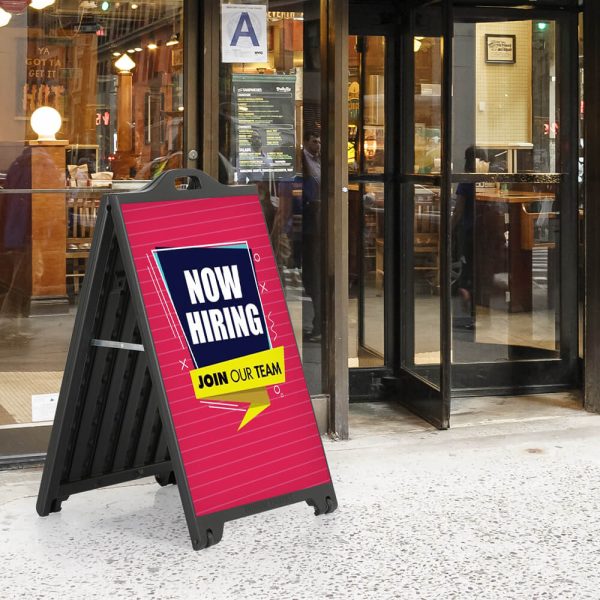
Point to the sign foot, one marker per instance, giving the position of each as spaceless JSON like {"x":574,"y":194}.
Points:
{"x":323,"y":505}
{"x":167,"y":478}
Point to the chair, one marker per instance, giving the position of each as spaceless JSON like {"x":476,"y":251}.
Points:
{"x":426,"y":245}
{"x":81,"y":220}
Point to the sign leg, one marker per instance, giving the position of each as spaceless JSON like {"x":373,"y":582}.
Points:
{"x":166,"y":478}
{"x":323,"y":504}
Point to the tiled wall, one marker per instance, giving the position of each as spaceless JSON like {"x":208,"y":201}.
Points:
{"x":503,"y":104}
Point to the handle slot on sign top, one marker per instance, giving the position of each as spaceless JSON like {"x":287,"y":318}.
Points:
{"x":187,"y":183}
{"x":181,"y":184}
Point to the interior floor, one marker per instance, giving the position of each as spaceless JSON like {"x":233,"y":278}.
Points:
{"x":382,"y":418}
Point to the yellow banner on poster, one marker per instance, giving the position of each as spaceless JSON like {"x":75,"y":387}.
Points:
{"x":257,"y":370}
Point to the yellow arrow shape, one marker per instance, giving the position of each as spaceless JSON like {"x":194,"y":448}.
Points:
{"x":258,"y":399}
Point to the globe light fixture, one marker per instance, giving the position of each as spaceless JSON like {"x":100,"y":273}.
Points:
{"x":41,"y":4}
{"x":46,"y":122}
{"x":5,"y":17}
{"x":124,"y":64}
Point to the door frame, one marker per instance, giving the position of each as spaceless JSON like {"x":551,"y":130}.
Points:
{"x":563,"y":372}
{"x":365,"y":383}
{"x":540,"y":375}
{"x":414,"y":391}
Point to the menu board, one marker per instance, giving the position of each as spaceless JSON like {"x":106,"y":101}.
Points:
{"x":264,"y":113}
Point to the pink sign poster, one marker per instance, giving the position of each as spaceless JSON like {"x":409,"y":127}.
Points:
{"x":226,"y":351}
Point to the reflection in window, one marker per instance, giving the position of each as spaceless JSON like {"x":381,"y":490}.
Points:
{"x":269,"y":135}
{"x":108,"y":80}
{"x":505,"y":228}
{"x":114,"y":73}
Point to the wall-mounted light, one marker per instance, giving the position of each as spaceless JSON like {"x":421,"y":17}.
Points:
{"x":124,"y":64}
{"x":134,"y":7}
{"x":5,"y":17}
{"x":41,"y":4}
{"x":46,"y":122}
{"x":173,"y":40}
{"x":541,"y":26}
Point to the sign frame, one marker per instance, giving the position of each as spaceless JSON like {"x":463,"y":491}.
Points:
{"x":504,"y":56}
{"x":81,"y":405}
{"x":254,"y":26}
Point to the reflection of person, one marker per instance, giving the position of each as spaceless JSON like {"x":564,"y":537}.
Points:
{"x":260,"y":158}
{"x":15,"y":244}
{"x":265,"y":180}
{"x":311,"y":222}
{"x":463,"y":226}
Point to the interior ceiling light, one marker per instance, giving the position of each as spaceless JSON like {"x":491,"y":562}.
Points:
{"x":173,"y":40}
{"x":115,"y":53}
{"x":131,"y":50}
{"x":152,"y":45}
{"x":5,"y":17}
{"x":134,"y":7}
{"x":417,"y":44}
{"x":41,"y":4}
{"x":138,"y":49}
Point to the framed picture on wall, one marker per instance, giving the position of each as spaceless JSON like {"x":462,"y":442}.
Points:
{"x":500,"y":48}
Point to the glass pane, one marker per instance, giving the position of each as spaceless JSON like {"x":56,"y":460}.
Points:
{"x":428,"y":107}
{"x":373,"y":136}
{"x":422,"y":342}
{"x":366,"y":156}
{"x":366,"y":323}
{"x":505,"y":272}
{"x":426,"y":282}
{"x":372,"y":273}
{"x":269,"y":125}
{"x":505,"y":228}
{"x":110,"y":82}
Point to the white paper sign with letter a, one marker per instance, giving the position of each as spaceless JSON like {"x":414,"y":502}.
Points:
{"x":244,"y":33}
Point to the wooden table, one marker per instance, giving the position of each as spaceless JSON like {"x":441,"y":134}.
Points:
{"x":496,"y":212}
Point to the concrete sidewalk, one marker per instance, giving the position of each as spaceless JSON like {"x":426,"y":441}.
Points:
{"x":494,"y":510}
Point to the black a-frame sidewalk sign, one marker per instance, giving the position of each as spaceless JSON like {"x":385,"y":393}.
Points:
{"x":116,"y":419}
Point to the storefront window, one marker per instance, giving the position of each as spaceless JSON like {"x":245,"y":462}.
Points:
{"x":270,"y":136}
{"x":93,"y":100}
